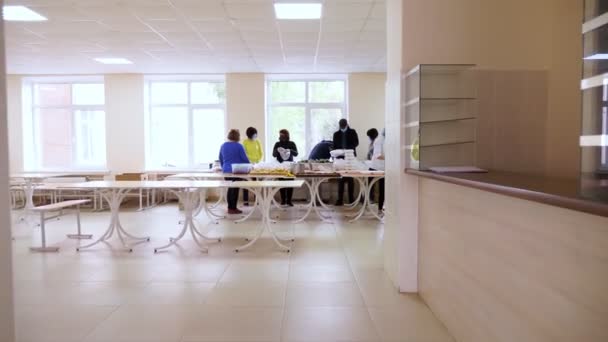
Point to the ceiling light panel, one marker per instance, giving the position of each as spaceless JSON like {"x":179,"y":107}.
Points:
{"x":21,"y":13}
{"x":293,"y":11}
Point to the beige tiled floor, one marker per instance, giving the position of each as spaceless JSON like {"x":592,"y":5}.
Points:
{"x":330,"y":288}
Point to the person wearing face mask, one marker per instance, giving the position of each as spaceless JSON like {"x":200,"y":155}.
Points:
{"x":253,"y":149}
{"x":346,"y":138}
{"x":284,"y":150}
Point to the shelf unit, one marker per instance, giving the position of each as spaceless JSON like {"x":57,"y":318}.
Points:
{"x":594,"y":124}
{"x":439,"y":108}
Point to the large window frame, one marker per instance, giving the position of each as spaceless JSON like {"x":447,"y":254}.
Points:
{"x":309,"y":107}
{"x":32,"y":135}
{"x":191,"y":109}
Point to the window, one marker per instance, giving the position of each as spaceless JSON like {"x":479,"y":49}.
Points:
{"x":64,"y":124}
{"x":309,"y":108}
{"x":185,"y":122}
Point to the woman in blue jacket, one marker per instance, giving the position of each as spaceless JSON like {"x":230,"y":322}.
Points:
{"x":232,"y":152}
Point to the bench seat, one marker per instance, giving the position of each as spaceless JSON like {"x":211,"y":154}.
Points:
{"x":59,"y":205}
{"x":42,"y":209}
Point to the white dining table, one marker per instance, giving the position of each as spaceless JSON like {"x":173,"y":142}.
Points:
{"x":220,"y":176}
{"x":365,"y":188}
{"x":265,"y":190}
{"x":29,"y":179}
{"x":114,"y":192}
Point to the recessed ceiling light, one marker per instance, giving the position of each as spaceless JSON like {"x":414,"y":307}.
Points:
{"x":597,"y":56}
{"x":298,"y":11}
{"x":113,"y":60}
{"x":20,"y":13}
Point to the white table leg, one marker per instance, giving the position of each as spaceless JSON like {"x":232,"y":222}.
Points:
{"x":266,"y":195}
{"x":28,"y":190}
{"x":114,"y":197}
{"x":256,"y":206}
{"x":43,"y":247}
{"x":363,"y":187}
{"x":369,"y":190}
{"x":190,"y":201}
{"x":79,"y":235}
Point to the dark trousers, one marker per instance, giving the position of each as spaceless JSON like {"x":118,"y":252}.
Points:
{"x":246,"y":193}
{"x":286,"y":195}
{"x":351,"y":189}
{"x":232,"y":196}
{"x":380,"y":185}
{"x":381,"y":194}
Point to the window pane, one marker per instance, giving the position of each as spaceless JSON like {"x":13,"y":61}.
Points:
{"x":169,"y":92}
{"x":54,"y":145}
{"x":324,"y":122}
{"x":326,"y":91}
{"x":288,"y":92}
{"x":88,"y":94}
{"x":292,"y":119}
{"x":169,"y":136}
{"x":90,"y":134}
{"x":208,"y":93}
{"x":209,"y":132}
{"x":53,"y":94}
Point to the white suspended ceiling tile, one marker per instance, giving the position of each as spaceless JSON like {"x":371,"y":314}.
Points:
{"x":379,"y":11}
{"x":65,"y":26}
{"x":157,"y":12}
{"x":203,"y":13}
{"x":170,"y":25}
{"x":213,"y":25}
{"x":299,"y":25}
{"x":256,"y":37}
{"x":256,"y":25}
{"x":375,"y":25}
{"x":347,"y":10}
{"x":343,"y":26}
{"x":299,"y":36}
{"x":125,"y":25}
{"x":339,"y":36}
{"x":181,"y":36}
{"x":105,"y":12}
{"x":250,"y":10}
{"x":198,"y":46}
{"x":227,"y":37}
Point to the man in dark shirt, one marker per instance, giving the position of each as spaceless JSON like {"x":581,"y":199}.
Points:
{"x":346,"y":138}
{"x":321,"y":150}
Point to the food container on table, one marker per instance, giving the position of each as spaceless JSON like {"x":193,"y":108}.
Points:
{"x":242,"y":168}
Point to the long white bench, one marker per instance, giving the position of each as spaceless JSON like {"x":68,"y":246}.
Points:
{"x":43,"y":209}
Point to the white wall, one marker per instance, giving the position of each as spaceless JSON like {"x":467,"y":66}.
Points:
{"x":245,"y":95}
{"x":366,"y":105}
{"x":125,"y":139}
{"x":401,"y":228}
{"x":245,"y":103}
{"x":6,"y":277}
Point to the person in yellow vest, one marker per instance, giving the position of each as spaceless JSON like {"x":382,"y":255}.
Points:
{"x":253,"y":149}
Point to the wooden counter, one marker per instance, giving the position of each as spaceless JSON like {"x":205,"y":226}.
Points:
{"x":560,"y":193}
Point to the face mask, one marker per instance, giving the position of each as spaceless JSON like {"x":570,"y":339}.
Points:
{"x":255,"y":136}
{"x":343,"y":129}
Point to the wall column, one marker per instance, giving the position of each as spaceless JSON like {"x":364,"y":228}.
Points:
{"x":7,"y":326}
